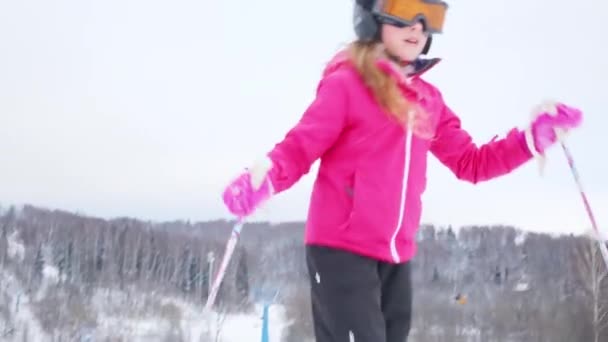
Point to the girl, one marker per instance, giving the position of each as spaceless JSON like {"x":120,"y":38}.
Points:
{"x":372,"y":124}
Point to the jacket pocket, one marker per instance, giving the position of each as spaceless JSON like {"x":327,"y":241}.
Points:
{"x":349,"y":193}
{"x":370,"y":213}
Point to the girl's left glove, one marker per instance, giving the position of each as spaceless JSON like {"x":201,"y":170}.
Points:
{"x":550,"y":123}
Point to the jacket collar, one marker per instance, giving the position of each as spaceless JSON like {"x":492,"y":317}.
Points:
{"x":420,"y":66}
{"x":402,"y":74}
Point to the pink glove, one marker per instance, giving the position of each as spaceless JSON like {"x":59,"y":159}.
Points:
{"x":550,"y":122}
{"x":249,"y":190}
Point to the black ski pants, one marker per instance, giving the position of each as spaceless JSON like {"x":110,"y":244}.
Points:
{"x":358,"y":299}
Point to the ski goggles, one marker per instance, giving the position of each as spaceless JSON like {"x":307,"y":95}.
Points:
{"x":404,"y":13}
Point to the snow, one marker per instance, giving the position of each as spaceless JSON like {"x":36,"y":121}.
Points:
{"x":195,"y":326}
{"x":520,"y":238}
{"x":520,"y":287}
{"x":15,"y":250}
{"x":132,"y":316}
{"x":50,"y":272}
{"x":249,"y":327}
{"x":22,"y":318}
{"x":179,"y":318}
{"x":126,"y":315}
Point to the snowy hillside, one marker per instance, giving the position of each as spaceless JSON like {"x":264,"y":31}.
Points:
{"x":114,"y":316}
{"x":68,"y":277}
{"x":53,"y":310}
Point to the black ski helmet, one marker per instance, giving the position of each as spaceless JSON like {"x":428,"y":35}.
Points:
{"x":367,"y":20}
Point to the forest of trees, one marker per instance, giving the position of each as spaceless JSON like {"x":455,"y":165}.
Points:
{"x":472,"y":284}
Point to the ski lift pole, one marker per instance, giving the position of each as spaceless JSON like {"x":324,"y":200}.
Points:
{"x":600,"y":238}
{"x":230,"y":245}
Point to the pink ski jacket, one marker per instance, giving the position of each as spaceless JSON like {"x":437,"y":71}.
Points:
{"x":367,"y":195}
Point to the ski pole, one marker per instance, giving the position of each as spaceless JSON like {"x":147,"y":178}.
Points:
{"x":230,"y":245}
{"x":601,"y":240}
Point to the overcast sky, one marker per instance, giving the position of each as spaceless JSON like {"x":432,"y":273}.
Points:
{"x":148,"y":108}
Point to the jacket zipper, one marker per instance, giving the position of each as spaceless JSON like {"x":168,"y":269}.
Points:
{"x":406,"y":174}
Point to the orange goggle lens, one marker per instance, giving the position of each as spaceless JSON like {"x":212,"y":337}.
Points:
{"x":432,"y":12}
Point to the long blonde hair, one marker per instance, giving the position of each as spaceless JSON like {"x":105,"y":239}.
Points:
{"x":385,"y":89}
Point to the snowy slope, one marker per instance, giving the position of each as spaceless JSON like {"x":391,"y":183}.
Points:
{"x":119,"y":315}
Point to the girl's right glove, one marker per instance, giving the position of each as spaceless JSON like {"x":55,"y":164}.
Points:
{"x":550,"y":123}
{"x":249,"y":190}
